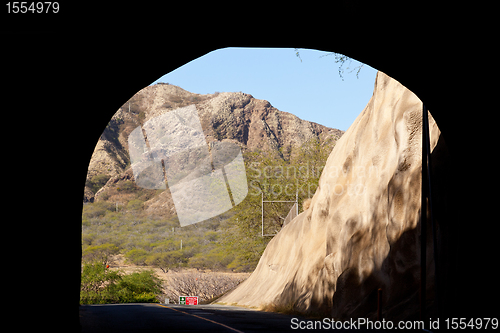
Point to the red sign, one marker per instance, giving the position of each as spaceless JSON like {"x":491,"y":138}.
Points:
{"x":188,"y":300}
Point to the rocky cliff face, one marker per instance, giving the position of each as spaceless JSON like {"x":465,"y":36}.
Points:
{"x":251,"y":123}
{"x":361,"y":231}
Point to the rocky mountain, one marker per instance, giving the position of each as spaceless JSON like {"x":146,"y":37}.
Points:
{"x":253,"y":124}
{"x":361,"y":231}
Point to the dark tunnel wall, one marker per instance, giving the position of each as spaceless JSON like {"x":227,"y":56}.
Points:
{"x":79,"y":73}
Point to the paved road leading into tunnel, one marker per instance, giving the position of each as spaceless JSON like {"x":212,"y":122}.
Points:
{"x":143,"y":317}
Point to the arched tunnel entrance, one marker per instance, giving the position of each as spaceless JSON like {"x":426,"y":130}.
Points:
{"x":416,"y":43}
{"x":447,"y":237}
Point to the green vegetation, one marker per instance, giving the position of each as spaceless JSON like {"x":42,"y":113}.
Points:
{"x":98,"y":181}
{"x":229,"y":242}
{"x":101,"y":285}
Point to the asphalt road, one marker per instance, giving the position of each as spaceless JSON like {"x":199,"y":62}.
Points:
{"x":139,"y":317}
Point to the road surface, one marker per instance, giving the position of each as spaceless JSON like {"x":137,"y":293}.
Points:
{"x":143,"y":317}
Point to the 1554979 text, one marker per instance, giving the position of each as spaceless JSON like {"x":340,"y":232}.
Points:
{"x":40,"y":7}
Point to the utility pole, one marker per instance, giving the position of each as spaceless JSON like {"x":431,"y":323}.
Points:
{"x":262,"y":212}
{"x":181,"y":244}
{"x":262,"y":201}
{"x":297,"y":202}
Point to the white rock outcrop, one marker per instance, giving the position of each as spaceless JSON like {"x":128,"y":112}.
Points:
{"x":361,"y":231}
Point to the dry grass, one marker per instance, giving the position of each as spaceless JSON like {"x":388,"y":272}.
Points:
{"x":286,"y":309}
{"x":291,"y":310}
{"x":206,"y":284}
{"x":209,"y":286}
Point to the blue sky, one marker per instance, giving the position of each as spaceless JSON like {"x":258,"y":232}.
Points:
{"x":311,"y":89}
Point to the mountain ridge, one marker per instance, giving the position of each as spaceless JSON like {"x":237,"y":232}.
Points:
{"x":253,"y":124}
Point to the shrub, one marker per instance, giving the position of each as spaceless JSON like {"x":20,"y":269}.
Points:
{"x":97,"y":283}
{"x":137,"y":256}
{"x":100,"y":285}
{"x":97,"y":209}
{"x":141,"y":116}
{"x":135,"y":204}
{"x":211,"y":236}
{"x":165,"y":260}
{"x":98,"y":181}
{"x":99,"y":253}
{"x":127,"y":186}
{"x":141,"y":287}
{"x":142,"y":282}
{"x":215,"y":260}
{"x":241,"y":265}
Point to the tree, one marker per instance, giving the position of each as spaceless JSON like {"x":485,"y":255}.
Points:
{"x":98,"y":181}
{"x":135,"y":204}
{"x":139,"y":287}
{"x":216,"y":259}
{"x":165,"y":260}
{"x":100,"y":253}
{"x":101,"y":285}
{"x":276,"y":179}
{"x":339,"y":59}
{"x":137,"y":256}
{"x":97,"y":283}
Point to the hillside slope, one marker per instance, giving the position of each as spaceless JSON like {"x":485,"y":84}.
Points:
{"x":253,"y":124}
